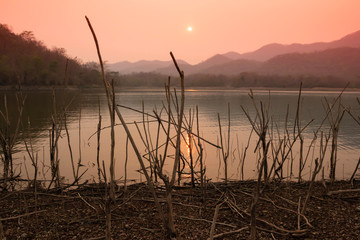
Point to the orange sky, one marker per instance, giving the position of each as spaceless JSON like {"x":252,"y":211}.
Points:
{"x":148,"y":29}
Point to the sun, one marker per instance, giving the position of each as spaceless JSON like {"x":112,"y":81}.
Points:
{"x":189,"y":28}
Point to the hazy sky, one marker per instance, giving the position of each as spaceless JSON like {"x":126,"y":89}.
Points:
{"x":148,"y":29}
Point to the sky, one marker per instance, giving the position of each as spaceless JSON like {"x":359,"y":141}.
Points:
{"x":133,"y":30}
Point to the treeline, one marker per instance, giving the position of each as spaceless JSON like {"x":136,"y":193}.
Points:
{"x":250,"y":79}
{"x":247,"y":79}
{"x":25,"y":59}
{"x":141,"y":80}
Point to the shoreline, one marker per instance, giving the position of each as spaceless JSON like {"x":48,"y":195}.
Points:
{"x":191,"y":89}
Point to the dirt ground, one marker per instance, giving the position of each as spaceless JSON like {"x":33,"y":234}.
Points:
{"x":80,"y":213}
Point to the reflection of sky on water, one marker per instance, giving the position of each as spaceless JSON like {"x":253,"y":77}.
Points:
{"x":210,"y":103}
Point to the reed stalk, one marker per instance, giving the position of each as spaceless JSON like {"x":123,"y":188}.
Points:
{"x":318,"y":166}
{"x":328,"y":109}
{"x":9,"y":136}
{"x":200,"y":156}
{"x":133,"y":144}
{"x":54,"y":135}
{"x":225,"y":152}
{"x":190,"y":150}
{"x":98,"y":146}
{"x":261,"y":129}
{"x":107,"y":203}
{"x":253,"y":230}
{"x":69,"y":146}
{"x":34,"y":184}
{"x":126,"y":162}
{"x":334,"y":120}
{"x":157,"y":162}
{"x":112,"y":151}
{"x":297,"y":127}
{"x":80,"y":159}
{"x":355,"y":170}
{"x":171,"y":122}
{"x":34,"y":160}
{"x":180,"y":120}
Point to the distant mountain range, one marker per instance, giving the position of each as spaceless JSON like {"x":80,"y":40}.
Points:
{"x":339,"y":62}
{"x":338,"y":58}
{"x":140,"y":66}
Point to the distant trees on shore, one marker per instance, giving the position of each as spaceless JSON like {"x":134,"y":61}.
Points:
{"x":243,"y":80}
{"x":249,"y":79}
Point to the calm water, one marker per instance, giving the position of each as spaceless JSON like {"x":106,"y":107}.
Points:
{"x":39,"y":107}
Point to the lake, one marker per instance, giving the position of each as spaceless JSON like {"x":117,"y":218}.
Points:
{"x":83,"y":110}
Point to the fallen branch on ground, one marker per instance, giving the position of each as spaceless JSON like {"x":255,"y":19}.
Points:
{"x":330,"y":193}
{"x":22,"y":215}
{"x":230,"y":233}
{"x":208,"y":221}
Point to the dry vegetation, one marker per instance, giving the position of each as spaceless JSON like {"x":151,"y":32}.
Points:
{"x":80,"y":214}
{"x":166,"y":208}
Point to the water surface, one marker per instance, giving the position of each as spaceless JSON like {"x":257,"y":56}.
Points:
{"x":82,"y":110}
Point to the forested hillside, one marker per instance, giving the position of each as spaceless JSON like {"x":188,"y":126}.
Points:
{"x":25,"y":59}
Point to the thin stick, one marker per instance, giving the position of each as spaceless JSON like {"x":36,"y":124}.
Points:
{"x":208,"y":221}
{"x":86,"y":202}
{"x":98,"y":145}
{"x":200,"y":152}
{"x":228,"y":142}
{"x":112,"y":156}
{"x":22,"y":215}
{"x":220,"y":235}
{"x":126,"y":161}
{"x":330,"y":193}
{"x":79,"y":162}
{"x":177,"y":150}
{"x":212,"y":230}
{"x":168,"y":121}
{"x":150,"y":183}
{"x":69,"y":146}
{"x":355,"y":170}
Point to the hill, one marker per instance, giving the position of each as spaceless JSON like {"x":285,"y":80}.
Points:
{"x":234,"y":67}
{"x":271,"y":50}
{"x":337,"y":62}
{"x":217,"y":59}
{"x":126,"y":67}
{"x":25,"y":59}
{"x":232,"y":63}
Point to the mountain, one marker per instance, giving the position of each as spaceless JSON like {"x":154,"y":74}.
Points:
{"x":233,"y":67}
{"x":232,"y":55}
{"x":140,"y":66}
{"x":171,"y":70}
{"x":214,"y":60}
{"x":350,"y":40}
{"x":118,"y":66}
{"x":271,"y":50}
{"x":337,"y":62}
{"x":271,"y":58}
{"x":197,"y":68}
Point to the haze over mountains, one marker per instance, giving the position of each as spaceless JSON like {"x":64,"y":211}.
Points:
{"x":319,"y":65}
{"x":338,"y":58}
